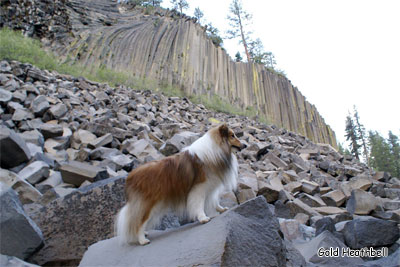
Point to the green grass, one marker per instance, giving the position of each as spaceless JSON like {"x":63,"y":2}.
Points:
{"x":15,"y":46}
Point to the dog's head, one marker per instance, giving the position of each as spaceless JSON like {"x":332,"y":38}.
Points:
{"x":229,"y":137}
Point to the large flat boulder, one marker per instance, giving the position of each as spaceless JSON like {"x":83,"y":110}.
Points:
{"x":247,"y":235}
{"x":12,"y":145}
{"x":72,"y":223}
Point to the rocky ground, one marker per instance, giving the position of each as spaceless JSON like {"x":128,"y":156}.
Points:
{"x":67,"y":144}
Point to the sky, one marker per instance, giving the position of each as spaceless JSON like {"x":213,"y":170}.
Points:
{"x":339,"y":54}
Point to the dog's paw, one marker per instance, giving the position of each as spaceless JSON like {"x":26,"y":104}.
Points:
{"x":222,"y":209}
{"x":204,"y":219}
{"x":144,"y":241}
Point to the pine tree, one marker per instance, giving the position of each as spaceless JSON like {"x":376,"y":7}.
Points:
{"x":198,"y":14}
{"x":179,"y":4}
{"x":238,"y":57}
{"x":380,"y":156}
{"x":360,"y":130}
{"x":238,"y":20}
{"x":394,"y":146}
{"x":351,"y":135}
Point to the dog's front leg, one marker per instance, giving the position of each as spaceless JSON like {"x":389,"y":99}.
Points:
{"x":196,"y":200}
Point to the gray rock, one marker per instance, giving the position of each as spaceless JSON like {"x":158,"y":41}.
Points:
{"x":323,"y":224}
{"x":58,"y":110}
{"x":26,"y":192}
{"x":177,"y":142}
{"x":51,"y":130}
{"x":5,"y":96}
{"x":35,"y":172}
{"x":76,"y":173}
{"x":101,"y":141}
{"x":244,"y":236}
{"x":11,"y":261}
{"x":143,"y":150}
{"x":22,"y":115}
{"x":361,"y":202}
{"x":366,"y":231}
{"x":20,"y":236}
{"x":326,"y":240}
{"x":90,"y":213}
{"x":40,"y":105}
{"x":12,"y":145}
{"x":390,"y":261}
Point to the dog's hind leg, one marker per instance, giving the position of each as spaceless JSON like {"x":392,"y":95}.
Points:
{"x":196,"y":201}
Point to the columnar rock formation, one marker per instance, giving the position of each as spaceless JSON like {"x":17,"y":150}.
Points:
{"x":174,"y":50}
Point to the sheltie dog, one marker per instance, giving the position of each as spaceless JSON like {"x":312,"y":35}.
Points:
{"x":187,"y":183}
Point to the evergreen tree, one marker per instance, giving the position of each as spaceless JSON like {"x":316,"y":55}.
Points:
{"x":238,"y":57}
{"x":361,"y":135}
{"x":238,"y":20}
{"x":394,"y":146}
{"x":258,"y":55}
{"x":198,"y":14}
{"x":380,"y":156}
{"x":179,"y":4}
{"x":212,"y":33}
{"x":351,"y":135}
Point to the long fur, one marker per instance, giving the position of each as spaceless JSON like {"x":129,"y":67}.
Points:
{"x":189,"y":183}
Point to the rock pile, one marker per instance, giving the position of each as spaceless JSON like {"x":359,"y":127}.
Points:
{"x":67,"y":145}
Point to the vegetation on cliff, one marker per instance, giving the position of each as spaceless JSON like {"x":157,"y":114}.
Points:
{"x":15,"y":46}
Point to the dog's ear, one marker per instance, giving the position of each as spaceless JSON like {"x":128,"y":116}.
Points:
{"x":223,"y":130}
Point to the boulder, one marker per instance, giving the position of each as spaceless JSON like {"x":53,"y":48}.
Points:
{"x":361,"y":202}
{"x":12,"y":145}
{"x":323,"y":242}
{"x":177,"y":142}
{"x":26,"y":192}
{"x":366,"y":231}
{"x":35,"y":172}
{"x":276,"y":161}
{"x":11,"y":261}
{"x":323,"y":224}
{"x":78,"y":220}
{"x":143,"y":150}
{"x":75,"y":172}
{"x":309,"y":187}
{"x":51,"y":130}
{"x":247,"y":235}
{"x":20,"y":236}
{"x":334,"y":198}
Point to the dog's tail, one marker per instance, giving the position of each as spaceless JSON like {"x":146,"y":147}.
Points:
{"x":128,"y":221}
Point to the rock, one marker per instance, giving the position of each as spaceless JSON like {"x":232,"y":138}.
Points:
{"x":271,"y":193}
{"x":312,"y":201}
{"x":361,"y":202}
{"x":58,"y":110}
{"x":12,"y":145}
{"x":10,"y":261}
{"x":26,"y":192}
{"x":389,"y":261}
{"x":5,"y":96}
{"x":276,"y":161}
{"x":82,"y":137}
{"x":302,"y":218}
{"x":34,"y":137}
{"x":177,"y":142}
{"x":326,"y":240}
{"x":293,"y":187}
{"x":329,"y":210}
{"x":334,"y":198}
{"x":143,"y":150}
{"x":309,"y":187}
{"x":101,"y":141}
{"x":40,"y":105}
{"x":366,"y":231}
{"x":324,"y":224}
{"x":51,"y":130}
{"x":293,"y":256}
{"x":90,"y":215}
{"x":297,"y":206}
{"x":391,"y":205}
{"x":245,"y":194}
{"x":20,"y":236}
{"x":76,"y":173}
{"x":243,"y":236}
{"x":35,"y":172}
{"x":290,"y":229}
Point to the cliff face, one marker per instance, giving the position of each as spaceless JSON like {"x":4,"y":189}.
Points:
{"x":176,"y":51}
